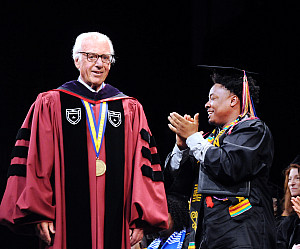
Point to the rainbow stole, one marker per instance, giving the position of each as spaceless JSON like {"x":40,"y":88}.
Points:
{"x":214,"y":139}
{"x":192,"y":245}
{"x":241,"y":207}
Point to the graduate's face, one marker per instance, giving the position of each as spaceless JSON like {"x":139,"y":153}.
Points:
{"x":93,"y":73}
{"x":219,"y":105}
{"x":294,"y":182}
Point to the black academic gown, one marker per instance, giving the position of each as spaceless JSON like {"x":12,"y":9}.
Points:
{"x":288,"y":232}
{"x":244,"y":155}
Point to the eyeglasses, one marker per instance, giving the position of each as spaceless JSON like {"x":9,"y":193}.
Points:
{"x":93,"y":57}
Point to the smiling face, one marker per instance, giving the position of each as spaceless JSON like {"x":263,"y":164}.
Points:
{"x":294,"y":182}
{"x":222,"y":106}
{"x":93,"y":73}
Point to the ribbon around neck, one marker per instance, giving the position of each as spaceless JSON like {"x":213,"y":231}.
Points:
{"x":96,"y":129}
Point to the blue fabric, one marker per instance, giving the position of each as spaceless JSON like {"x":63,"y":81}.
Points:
{"x":173,"y":242}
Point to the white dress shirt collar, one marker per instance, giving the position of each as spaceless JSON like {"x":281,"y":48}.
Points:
{"x":88,"y":87}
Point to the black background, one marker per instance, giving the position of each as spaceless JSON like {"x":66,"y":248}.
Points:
{"x":158,"y":45}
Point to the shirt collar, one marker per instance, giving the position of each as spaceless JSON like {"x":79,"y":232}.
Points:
{"x":88,"y":87}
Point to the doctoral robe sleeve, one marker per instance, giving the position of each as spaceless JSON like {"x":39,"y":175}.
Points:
{"x":242,"y":155}
{"x":148,"y":206}
{"x":28,"y":197}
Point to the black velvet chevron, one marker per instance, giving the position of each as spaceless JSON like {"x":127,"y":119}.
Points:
{"x":156,"y":176}
{"x":148,"y":138}
{"x":21,"y":152}
{"x":153,"y":158}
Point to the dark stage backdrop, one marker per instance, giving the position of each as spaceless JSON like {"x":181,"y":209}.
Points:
{"x":158,"y":45}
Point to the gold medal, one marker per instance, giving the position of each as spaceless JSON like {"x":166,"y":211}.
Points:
{"x":100,"y":167}
{"x":97,"y":131}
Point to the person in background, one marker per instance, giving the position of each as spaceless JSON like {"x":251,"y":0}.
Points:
{"x":85,"y":172}
{"x":277,"y":196}
{"x":288,"y":232}
{"x":173,"y":237}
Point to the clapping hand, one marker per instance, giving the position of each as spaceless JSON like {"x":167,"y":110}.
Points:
{"x":183,"y":127}
{"x":296,"y":205}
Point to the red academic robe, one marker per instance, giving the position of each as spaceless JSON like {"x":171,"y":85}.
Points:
{"x":40,"y":195}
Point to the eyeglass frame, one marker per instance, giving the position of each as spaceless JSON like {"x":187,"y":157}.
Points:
{"x":112,"y":60}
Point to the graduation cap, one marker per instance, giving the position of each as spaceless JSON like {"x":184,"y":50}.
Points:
{"x":296,"y":160}
{"x":226,"y":70}
{"x":247,"y":102}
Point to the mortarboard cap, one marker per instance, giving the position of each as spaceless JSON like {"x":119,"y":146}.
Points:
{"x":226,"y":70}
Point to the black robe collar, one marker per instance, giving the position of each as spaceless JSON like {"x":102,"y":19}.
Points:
{"x":76,"y":88}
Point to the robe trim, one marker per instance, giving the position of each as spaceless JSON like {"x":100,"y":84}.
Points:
{"x":23,"y":134}
{"x":77,"y":180}
{"x":112,"y":98}
{"x":77,"y":193}
{"x":146,"y":153}
{"x":114,"y":179}
{"x":153,"y":158}
{"x":156,"y":176}
{"x":20,"y":151}
{"x":16,"y":170}
{"x":148,"y":138}
{"x":78,"y":88}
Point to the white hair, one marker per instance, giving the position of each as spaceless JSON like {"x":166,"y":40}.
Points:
{"x":83,"y":36}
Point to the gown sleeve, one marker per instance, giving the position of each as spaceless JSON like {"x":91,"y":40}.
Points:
{"x":282,"y":240}
{"x":148,"y":206}
{"x":242,"y":155}
{"x":287,"y":234}
{"x":28,"y":197}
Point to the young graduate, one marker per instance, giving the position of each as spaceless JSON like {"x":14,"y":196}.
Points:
{"x":235,"y":209}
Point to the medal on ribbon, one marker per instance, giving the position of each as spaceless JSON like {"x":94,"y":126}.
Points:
{"x":97,"y":131}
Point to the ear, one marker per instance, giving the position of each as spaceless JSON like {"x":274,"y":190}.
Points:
{"x":77,"y":63}
{"x":234,"y":101}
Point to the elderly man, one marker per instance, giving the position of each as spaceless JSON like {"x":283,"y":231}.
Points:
{"x":85,"y":172}
{"x":231,"y":201}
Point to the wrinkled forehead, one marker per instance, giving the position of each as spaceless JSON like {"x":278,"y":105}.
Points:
{"x":95,"y":45}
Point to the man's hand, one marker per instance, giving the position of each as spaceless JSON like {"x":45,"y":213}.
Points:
{"x":180,"y":141}
{"x":45,"y":230}
{"x":296,"y":204}
{"x":136,"y":236}
{"x":183,"y":126}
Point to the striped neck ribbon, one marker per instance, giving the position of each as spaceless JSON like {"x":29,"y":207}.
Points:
{"x":96,"y":129}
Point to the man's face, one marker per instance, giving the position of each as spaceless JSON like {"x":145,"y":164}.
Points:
{"x":93,"y":73}
{"x":219,"y":105}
